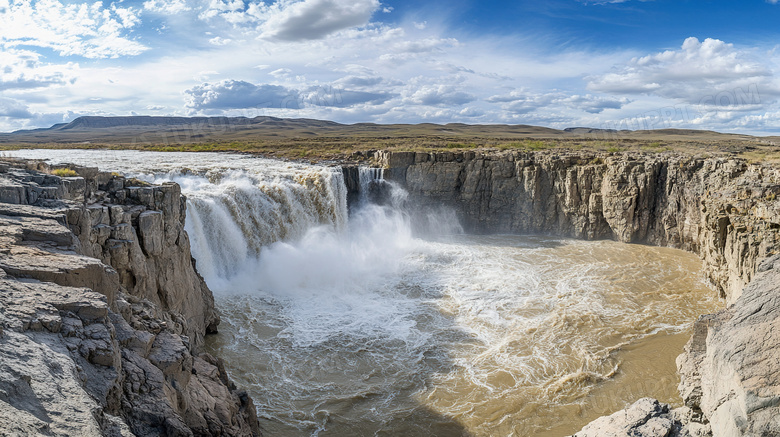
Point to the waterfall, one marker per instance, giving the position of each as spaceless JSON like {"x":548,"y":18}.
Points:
{"x":373,"y":187}
{"x":232,"y":216}
{"x":369,"y":176}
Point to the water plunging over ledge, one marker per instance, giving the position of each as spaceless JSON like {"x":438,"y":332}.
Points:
{"x":373,"y":323}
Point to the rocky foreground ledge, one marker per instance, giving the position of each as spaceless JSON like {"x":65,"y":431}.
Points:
{"x":725,"y":210}
{"x":102,"y":313}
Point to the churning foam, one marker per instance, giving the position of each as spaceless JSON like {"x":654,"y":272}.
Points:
{"x":390,"y":321}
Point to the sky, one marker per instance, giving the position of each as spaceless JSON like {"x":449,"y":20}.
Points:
{"x":620,"y":64}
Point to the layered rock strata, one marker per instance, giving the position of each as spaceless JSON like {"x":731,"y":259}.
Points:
{"x":725,"y":210}
{"x":102,"y":313}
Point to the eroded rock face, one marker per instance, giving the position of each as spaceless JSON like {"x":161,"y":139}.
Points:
{"x":730,"y":371}
{"x":102,"y":314}
{"x":724,"y":210}
{"x":139,"y":231}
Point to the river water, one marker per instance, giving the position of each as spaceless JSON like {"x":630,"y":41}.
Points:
{"x":368,"y":323}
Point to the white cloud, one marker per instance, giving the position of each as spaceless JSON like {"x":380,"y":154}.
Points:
{"x":524,"y":101}
{"x":698,"y":70}
{"x":294,"y":20}
{"x":13,"y":109}
{"x":360,"y":81}
{"x":425,"y":45}
{"x":439,"y":95}
{"x":203,"y":76}
{"x":471,"y":112}
{"x":314,"y":19}
{"x":281,"y":73}
{"x":236,"y":94}
{"x":219,"y":41}
{"x":82,"y":29}
{"x":593,"y":104}
{"x":341,"y":98}
{"x":23,"y":70}
{"x":167,"y":7}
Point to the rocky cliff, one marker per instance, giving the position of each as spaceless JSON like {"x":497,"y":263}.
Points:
{"x":724,"y":210}
{"x":102,"y":314}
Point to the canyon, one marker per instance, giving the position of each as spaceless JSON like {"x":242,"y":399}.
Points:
{"x":724,"y":210}
{"x":103,"y":301}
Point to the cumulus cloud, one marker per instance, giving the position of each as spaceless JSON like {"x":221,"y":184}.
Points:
{"x":471,"y":112}
{"x":232,"y":10}
{"x":593,"y":104}
{"x":219,"y":41}
{"x":237,"y":94}
{"x":80,"y":29}
{"x":167,"y":7}
{"x":524,"y":101}
{"x":359,"y":81}
{"x":368,"y":82}
{"x":234,"y":94}
{"x":314,"y":19}
{"x":301,"y":20}
{"x":15,"y":115}
{"x":281,"y":73}
{"x":697,"y":70}
{"x":23,"y":70}
{"x":439,"y":95}
{"x":336,"y":97}
{"x":13,"y":109}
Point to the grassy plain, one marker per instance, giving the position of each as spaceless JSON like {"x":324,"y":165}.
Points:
{"x":315,"y":140}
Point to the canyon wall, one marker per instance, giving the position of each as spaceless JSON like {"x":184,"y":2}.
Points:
{"x":724,"y":210}
{"x":102,"y":313}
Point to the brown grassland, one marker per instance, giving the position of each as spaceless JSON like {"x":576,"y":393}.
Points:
{"x":315,"y":141}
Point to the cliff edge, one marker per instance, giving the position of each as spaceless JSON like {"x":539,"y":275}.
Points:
{"x":102,"y":314}
{"x":725,"y":210}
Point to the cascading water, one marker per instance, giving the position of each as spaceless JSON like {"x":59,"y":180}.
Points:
{"x":393,"y":322}
{"x":232,"y":215}
{"x":369,"y":175}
